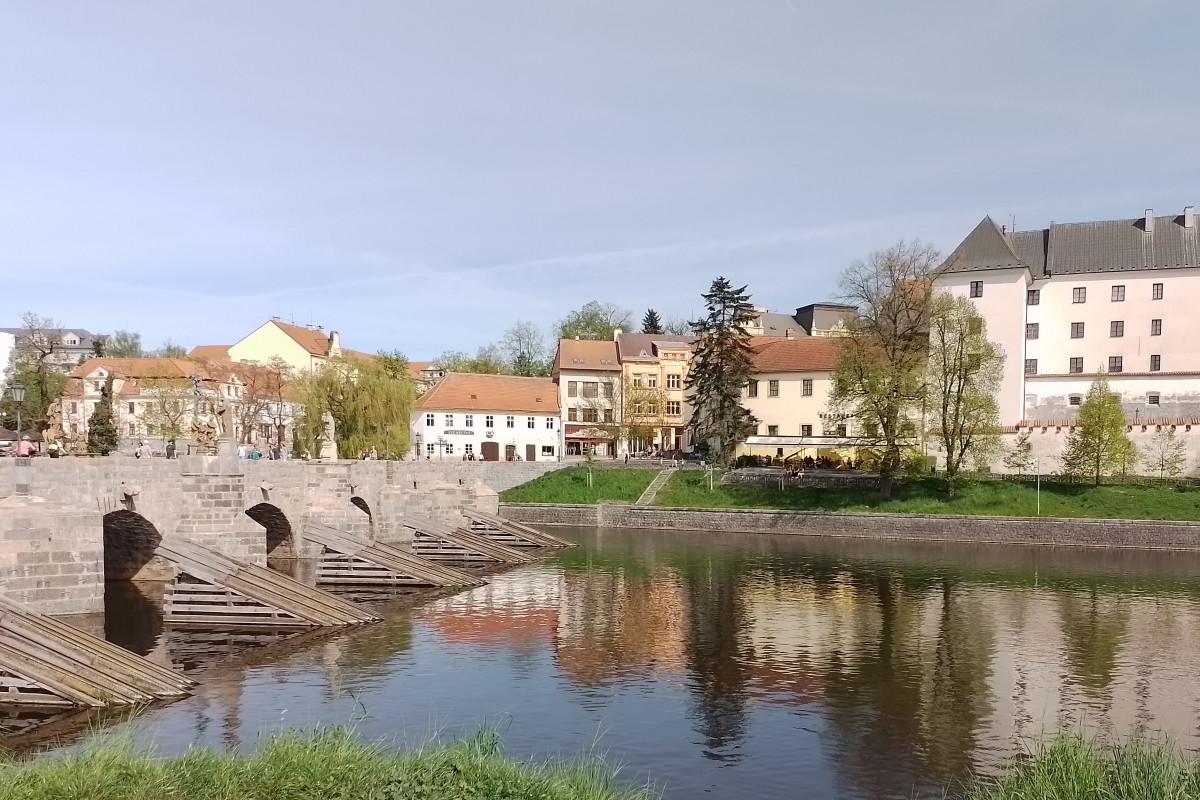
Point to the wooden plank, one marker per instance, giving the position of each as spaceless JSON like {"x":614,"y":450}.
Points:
{"x":469,"y":541}
{"x":541,"y":538}
{"x":420,"y":571}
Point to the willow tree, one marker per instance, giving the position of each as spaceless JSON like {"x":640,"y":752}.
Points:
{"x":370,"y":398}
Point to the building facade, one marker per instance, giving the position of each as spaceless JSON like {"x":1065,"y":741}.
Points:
{"x":588,"y":376}
{"x":303,"y":348}
{"x":654,"y":371}
{"x":488,"y":418}
{"x":1073,"y":301}
{"x":62,"y":348}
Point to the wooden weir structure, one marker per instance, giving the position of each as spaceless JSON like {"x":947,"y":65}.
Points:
{"x":214,"y":589}
{"x":48,"y":663}
{"x":438,"y":542}
{"x":510,"y":533}
{"x":353,"y":560}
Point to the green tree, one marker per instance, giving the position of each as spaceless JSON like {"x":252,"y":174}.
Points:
{"x":487,"y":361}
{"x":651,"y":322}
{"x":1018,"y":457}
{"x":1098,"y":445}
{"x":963,"y":379}
{"x":168,"y":411}
{"x":594,"y":320}
{"x":102,"y":430}
{"x":370,"y":399}
{"x":170,"y":350}
{"x":1166,"y":454}
{"x":36,"y":366}
{"x":720,"y":368}
{"x":124,"y":344}
{"x":879,"y":375}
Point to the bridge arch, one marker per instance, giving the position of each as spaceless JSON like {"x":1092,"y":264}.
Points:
{"x":130,"y":545}
{"x":281,"y":539}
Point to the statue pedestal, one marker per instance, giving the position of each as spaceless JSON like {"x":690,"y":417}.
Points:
{"x":226,"y":449}
{"x":328,"y":451}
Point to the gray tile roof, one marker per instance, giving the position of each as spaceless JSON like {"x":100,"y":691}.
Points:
{"x":644,"y":346}
{"x":1080,"y":247}
{"x":779,"y":324}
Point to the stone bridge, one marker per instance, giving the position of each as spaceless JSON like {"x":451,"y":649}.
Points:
{"x":66,"y":525}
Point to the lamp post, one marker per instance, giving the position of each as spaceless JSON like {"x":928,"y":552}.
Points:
{"x":1036,"y":463}
{"x":387,"y":435}
{"x":18,"y":396}
{"x":441,"y":447}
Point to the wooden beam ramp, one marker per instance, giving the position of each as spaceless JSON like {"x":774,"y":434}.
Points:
{"x":217,"y":590}
{"x":513,"y":534}
{"x":48,"y":663}
{"x":438,"y":542}
{"x":352,"y":560}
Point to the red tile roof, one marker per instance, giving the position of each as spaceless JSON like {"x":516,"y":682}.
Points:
{"x":174,"y":372}
{"x":460,"y":391}
{"x":207,"y":352}
{"x":314,"y":341}
{"x":587,"y":354}
{"x":803,"y":354}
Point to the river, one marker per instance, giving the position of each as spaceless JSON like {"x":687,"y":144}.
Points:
{"x":750,"y":666}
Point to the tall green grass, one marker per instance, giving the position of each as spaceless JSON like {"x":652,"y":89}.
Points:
{"x":570,"y":485}
{"x":1071,"y":767}
{"x":329,"y":764}
{"x":689,"y":489}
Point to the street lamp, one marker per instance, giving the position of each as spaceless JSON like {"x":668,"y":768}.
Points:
{"x":1036,"y":463}
{"x":18,"y":396}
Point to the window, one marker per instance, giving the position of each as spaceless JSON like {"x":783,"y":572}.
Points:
{"x":588,"y":415}
{"x":429,"y":449}
{"x":449,"y":420}
{"x":131,"y":408}
{"x":529,"y":422}
{"x":489,"y":421}
{"x":1156,"y":291}
{"x":469,"y":420}
{"x":1031,"y":366}
{"x":1155,"y":363}
{"x":976,"y":288}
{"x":1031,"y":330}
{"x":806,"y":387}
{"x":608,"y":415}
{"x":773,"y":388}
{"x":572,"y":415}
{"x":1076,"y":330}
{"x":841,"y":430}
{"x":752,"y":389}
{"x":510,"y":422}
{"x":637,"y":380}
{"x":429,"y":423}
{"x":673,"y":381}
{"x":1075,"y":399}
{"x":572,"y":388}
{"x":1152,"y":399}
{"x":1033,"y":297}
{"x":806,"y":430}
{"x":652,"y":381}
{"x":1116,"y":329}
{"x":468,"y":449}
{"x":1079,"y":294}
{"x":1115,"y":364}
{"x":97,"y":385}
{"x":549,"y":423}
{"x":1076,"y":365}
{"x":74,"y":408}
{"x":1156,"y":327}
{"x":548,"y":450}
{"x":591,"y":390}
{"x":772,"y":430}
{"x":449,"y":449}
{"x":74,"y":427}
{"x":608,"y":390}
{"x":132,"y":430}
{"x":1118,"y":293}
{"x":673,"y":408}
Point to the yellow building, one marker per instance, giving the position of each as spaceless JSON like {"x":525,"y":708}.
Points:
{"x":654,"y":369}
{"x":304,"y":348}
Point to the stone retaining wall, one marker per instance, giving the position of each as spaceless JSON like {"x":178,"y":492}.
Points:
{"x":1143,"y":534}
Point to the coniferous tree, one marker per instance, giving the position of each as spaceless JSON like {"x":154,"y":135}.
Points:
{"x":1099,"y":444}
{"x":102,"y":431}
{"x":720,"y":368}
{"x":651,"y":322}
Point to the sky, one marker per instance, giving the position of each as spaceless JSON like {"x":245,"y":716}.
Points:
{"x":421,"y":175}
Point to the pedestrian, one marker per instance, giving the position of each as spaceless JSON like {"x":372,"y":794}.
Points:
{"x":53,"y":450}
{"x":171,"y":448}
{"x":242,"y":452}
{"x":143,"y":450}
{"x":627,"y":459}
{"x":374,"y":454}
{"x":25,"y":448}
{"x":255,"y":455}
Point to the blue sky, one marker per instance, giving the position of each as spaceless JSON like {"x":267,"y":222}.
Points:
{"x":419,"y":175}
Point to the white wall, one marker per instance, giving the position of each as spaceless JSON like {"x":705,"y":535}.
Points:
{"x":791,"y":409}
{"x":457,"y":434}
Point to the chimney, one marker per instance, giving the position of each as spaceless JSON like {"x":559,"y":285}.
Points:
{"x":1149,"y":222}
{"x":335,"y":343}
{"x":1189,"y":217}
{"x":789,"y":333}
{"x":617,"y":333}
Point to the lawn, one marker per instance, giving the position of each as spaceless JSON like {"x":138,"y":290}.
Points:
{"x":570,"y":486}
{"x":688,"y":489}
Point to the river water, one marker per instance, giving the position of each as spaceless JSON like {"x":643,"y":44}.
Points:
{"x":750,"y":666}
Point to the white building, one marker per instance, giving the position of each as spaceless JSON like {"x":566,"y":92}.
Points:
{"x":488,"y":417}
{"x":1071,"y":301}
{"x":588,"y":374}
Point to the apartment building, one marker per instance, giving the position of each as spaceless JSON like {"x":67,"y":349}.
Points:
{"x":488,"y":418}
{"x":304,"y":348}
{"x":588,"y":376}
{"x":62,"y":348}
{"x":1075,"y":300}
{"x":654,"y":369}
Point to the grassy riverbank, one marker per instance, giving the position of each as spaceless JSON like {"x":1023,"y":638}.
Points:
{"x":570,"y":486}
{"x":1072,"y":768}
{"x":689,"y":489}
{"x":318,"y":766}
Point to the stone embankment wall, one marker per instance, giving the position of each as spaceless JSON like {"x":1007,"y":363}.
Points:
{"x":66,"y":524}
{"x":1144,"y":534}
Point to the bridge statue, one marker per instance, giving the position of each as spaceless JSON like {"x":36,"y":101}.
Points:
{"x":328,"y":437}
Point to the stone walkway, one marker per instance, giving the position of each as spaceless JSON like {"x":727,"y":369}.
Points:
{"x":660,"y":480}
